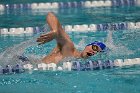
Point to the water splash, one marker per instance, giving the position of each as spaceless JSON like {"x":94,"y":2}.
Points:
{"x":81,"y":44}
{"x":109,"y":42}
{"x":119,"y":49}
{"x":11,"y":55}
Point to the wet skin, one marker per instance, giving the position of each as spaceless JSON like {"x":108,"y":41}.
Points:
{"x":65,"y":47}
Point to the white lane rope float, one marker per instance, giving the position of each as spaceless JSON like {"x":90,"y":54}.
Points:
{"x":70,"y":66}
{"x":84,"y":4}
{"x":76,"y":28}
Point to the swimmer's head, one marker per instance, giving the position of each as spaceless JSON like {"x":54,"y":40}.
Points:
{"x":93,"y":48}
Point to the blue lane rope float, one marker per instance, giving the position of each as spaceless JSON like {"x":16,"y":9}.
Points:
{"x":80,"y":28}
{"x":84,"y":4}
{"x":8,"y":69}
{"x":70,"y":66}
{"x":124,"y":2}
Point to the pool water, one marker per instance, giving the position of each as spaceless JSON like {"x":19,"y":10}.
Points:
{"x":125,"y":45}
{"x":116,"y":81}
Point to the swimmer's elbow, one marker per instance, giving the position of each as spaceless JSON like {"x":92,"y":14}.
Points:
{"x":50,"y":16}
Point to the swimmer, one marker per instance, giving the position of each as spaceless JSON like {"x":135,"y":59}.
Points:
{"x":65,"y":47}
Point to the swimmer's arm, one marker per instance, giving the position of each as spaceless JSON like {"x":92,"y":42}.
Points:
{"x":57,"y":32}
{"x":53,"y":57}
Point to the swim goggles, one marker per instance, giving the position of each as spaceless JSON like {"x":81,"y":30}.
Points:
{"x":95,"y":48}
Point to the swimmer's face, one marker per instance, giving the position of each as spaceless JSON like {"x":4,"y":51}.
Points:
{"x":89,"y":51}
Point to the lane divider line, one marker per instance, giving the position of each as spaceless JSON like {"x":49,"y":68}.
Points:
{"x":84,"y":4}
{"x":70,"y":28}
{"x":70,"y":66}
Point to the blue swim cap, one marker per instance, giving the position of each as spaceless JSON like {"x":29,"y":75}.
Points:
{"x":100,"y":44}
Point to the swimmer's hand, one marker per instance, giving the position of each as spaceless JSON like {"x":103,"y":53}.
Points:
{"x":46,"y":37}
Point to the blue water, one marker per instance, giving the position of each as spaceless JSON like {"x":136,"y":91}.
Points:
{"x":125,"y":45}
{"x":109,"y":81}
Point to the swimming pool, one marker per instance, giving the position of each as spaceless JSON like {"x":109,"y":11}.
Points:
{"x":124,"y":44}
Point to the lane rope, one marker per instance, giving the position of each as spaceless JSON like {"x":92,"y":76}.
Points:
{"x":84,"y":4}
{"x":75,"y":28}
{"x":70,"y":66}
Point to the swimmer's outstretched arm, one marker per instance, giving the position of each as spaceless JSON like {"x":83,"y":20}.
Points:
{"x":56,"y":32}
